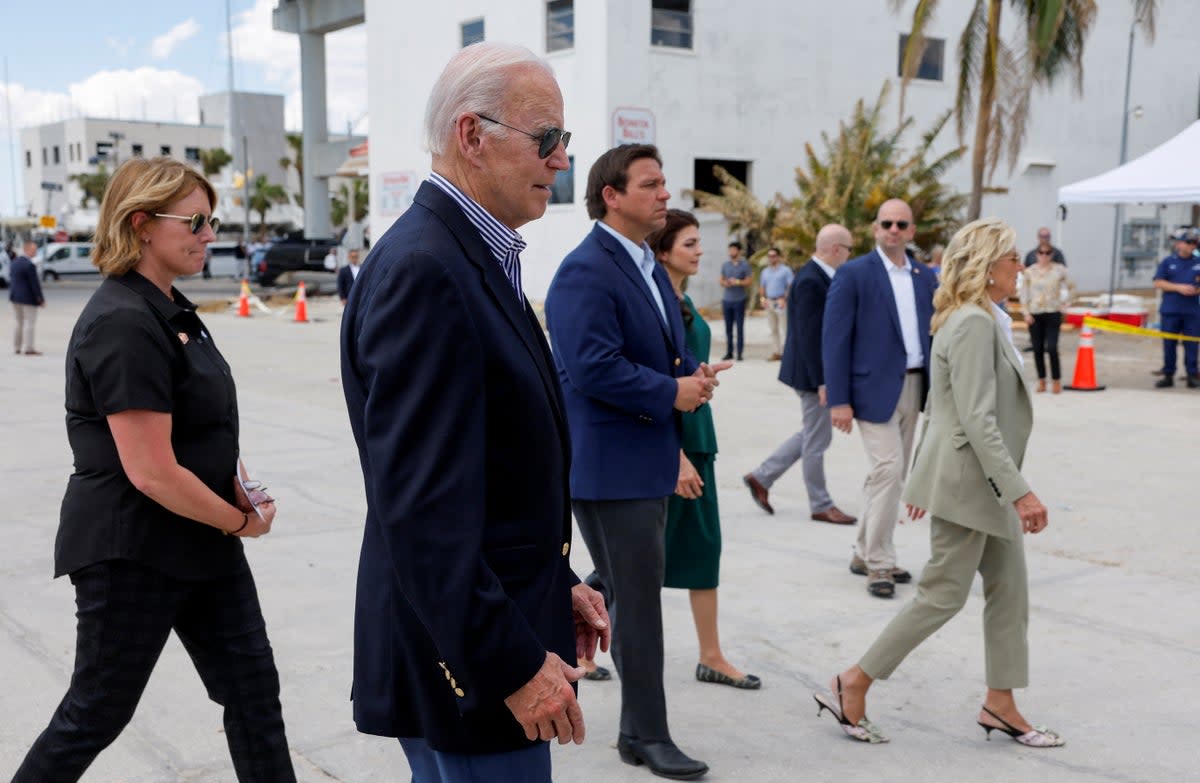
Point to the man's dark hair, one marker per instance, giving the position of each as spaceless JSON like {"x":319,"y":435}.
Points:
{"x":612,"y":170}
{"x":775,"y":250}
{"x":736,"y":244}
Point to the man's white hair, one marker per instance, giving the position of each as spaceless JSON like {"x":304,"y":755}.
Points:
{"x":475,"y":80}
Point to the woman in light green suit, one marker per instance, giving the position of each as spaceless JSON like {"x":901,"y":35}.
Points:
{"x":966,"y":474}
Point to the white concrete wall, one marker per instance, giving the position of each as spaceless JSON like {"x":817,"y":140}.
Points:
{"x":766,"y":77}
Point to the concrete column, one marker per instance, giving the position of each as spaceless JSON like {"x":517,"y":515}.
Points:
{"x":316,"y":134}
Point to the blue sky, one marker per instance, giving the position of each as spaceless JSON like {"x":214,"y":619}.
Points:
{"x":72,"y":58}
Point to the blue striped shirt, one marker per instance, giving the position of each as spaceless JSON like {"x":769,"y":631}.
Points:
{"x":505,"y":244}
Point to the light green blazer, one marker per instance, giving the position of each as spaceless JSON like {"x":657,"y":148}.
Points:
{"x":967,"y":468}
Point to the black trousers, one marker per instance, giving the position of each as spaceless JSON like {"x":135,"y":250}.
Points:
{"x":625,"y":540}
{"x":1043,"y":333}
{"x":735,"y":317}
{"x":125,"y":612}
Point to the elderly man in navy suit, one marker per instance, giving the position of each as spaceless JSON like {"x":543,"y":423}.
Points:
{"x":26,"y":296}
{"x":467,"y":611}
{"x":626,"y":373}
{"x":875,"y":344}
{"x":803,"y":370}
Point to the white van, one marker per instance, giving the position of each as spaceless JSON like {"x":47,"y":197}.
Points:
{"x":65,"y":258}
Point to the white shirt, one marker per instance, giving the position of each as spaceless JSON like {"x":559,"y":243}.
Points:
{"x":906,"y":305}
{"x":643,"y":258}
{"x":826,"y":268}
{"x":1005,"y":321}
{"x":354,"y":271}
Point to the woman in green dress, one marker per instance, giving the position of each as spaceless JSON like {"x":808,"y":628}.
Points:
{"x":693,"y":535}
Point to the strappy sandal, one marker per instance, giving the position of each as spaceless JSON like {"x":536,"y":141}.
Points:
{"x":863,"y":731}
{"x":1037,"y":737}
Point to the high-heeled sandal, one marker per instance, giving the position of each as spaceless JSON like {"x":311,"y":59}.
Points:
{"x":1037,"y":737}
{"x":1041,"y":385}
{"x":863,"y":731}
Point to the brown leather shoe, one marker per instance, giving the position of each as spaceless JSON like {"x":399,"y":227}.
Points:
{"x":834,"y":516}
{"x":758,"y":493}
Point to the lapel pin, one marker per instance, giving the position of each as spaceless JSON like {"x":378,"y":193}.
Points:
{"x":183,"y":338}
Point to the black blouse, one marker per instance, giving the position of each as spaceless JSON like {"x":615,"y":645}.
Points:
{"x":133,"y":348}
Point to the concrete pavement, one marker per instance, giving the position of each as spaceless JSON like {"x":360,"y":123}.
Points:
{"x":1115,"y":636}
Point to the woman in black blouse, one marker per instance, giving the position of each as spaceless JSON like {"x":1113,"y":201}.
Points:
{"x":152,"y":520}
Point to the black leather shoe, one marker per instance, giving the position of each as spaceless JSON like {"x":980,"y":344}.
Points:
{"x":1165,"y":382}
{"x":1193,"y":381}
{"x":664,"y":758}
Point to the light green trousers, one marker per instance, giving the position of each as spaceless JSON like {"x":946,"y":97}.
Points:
{"x":956,"y":553}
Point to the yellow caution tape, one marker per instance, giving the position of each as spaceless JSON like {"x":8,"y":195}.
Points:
{"x":1106,"y":325}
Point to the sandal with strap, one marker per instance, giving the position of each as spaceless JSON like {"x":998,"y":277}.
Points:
{"x":1037,"y":737}
{"x":863,"y":731}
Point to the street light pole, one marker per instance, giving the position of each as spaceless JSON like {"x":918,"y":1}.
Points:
{"x":1120,"y":209}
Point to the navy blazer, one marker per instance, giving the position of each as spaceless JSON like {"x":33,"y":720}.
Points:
{"x":463,"y":580}
{"x":861,"y":342}
{"x":617,"y":361}
{"x":345,"y":281}
{"x":23,"y":279}
{"x":801,"y":366}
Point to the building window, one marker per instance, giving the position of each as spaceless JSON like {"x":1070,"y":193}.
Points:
{"x":191,"y":154}
{"x":705,"y":179}
{"x":28,"y":159}
{"x":563,"y":189}
{"x":103,"y":148}
{"x":560,"y":25}
{"x":671,"y":23}
{"x":136,"y":149}
{"x":164,"y":150}
{"x":45,"y":157}
{"x":932,"y":59}
{"x":472,"y":32}
{"x":57,"y":156}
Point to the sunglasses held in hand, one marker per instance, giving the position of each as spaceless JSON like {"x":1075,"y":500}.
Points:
{"x":196,"y":222}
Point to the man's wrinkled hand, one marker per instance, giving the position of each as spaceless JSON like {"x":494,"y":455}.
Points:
{"x":592,"y":625}
{"x":842,"y":417}
{"x":546,"y":706}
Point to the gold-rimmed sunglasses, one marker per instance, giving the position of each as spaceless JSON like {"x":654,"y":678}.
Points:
{"x":195,"y":222}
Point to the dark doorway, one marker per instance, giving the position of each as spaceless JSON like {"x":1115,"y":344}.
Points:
{"x":704,"y":179}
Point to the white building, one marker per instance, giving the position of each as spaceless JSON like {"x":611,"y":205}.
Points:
{"x":750,"y":82}
{"x":52,"y":153}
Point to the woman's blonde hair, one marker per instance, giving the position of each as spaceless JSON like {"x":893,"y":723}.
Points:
{"x":147,"y":185}
{"x":967,"y":264}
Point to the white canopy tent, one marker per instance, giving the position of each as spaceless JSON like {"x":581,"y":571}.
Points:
{"x":1167,"y":174}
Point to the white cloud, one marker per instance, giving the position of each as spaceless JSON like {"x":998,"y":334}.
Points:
{"x":120,"y":46}
{"x":142,"y":93}
{"x":162,"y":46}
{"x":256,"y":43}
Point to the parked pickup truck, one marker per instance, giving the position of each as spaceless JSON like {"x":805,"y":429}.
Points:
{"x":295,"y":258}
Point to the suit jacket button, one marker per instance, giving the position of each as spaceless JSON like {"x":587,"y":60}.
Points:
{"x":459,"y":692}
{"x":566,"y":549}
{"x":678,"y":361}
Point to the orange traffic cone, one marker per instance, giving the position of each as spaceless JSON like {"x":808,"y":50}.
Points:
{"x":301,"y":304}
{"x":1085,"y":362}
{"x":244,"y":300}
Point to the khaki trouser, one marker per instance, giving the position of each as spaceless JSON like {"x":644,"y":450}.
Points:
{"x":889,"y":447}
{"x":26,"y":316}
{"x":776,"y":315}
{"x":956,"y":553}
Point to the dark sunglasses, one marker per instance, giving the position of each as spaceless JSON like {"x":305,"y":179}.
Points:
{"x":900,"y":224}
{"x":1043,"y":252}
{"x":196,"y":222}
{"x":547,"y":142}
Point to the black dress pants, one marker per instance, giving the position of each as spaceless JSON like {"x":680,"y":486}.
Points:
{"x":1043,"y":333}
{"x":125,"y":612}
{"x":625,"y":540}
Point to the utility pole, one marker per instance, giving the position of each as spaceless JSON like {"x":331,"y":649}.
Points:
{"x":246,"y":191}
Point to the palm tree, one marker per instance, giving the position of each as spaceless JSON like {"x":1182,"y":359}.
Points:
{"x":355,"y":192}
{"x":213,"y":160}
{"x":92,"y":184}
{"x":996,"y":79}
{"x":296,"y":142}
{"x":862,"y":167}
{"x":263,"y":196}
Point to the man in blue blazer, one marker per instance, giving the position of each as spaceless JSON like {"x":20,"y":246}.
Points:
{"x":25,"y":293}
{"x":875,"y":344}
{"x":626,"y":372}
{"x":468,"y":618}
{"x":801,"y":368}
{"x":347,"y":275}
